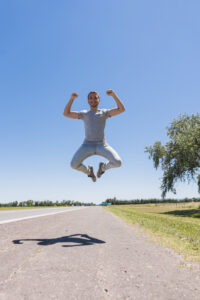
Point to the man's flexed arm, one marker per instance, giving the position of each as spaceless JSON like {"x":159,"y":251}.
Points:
{"x":120,"y":107}
{"x":67,"y":112}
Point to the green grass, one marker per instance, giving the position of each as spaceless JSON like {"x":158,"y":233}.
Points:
{"x":174,"y":225}
{"x":25,"y":207}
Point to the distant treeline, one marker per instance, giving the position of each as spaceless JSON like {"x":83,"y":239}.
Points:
{"x":114,"y":201}
{"x":31,"y":203}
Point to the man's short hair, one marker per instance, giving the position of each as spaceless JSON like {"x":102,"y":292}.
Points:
{"x":93,"y":92}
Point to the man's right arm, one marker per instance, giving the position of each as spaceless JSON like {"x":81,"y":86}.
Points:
{"x":67,"y":112}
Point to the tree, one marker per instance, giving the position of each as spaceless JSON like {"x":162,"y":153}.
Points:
{"x":29,"y":202}
{"x":180,"y":157}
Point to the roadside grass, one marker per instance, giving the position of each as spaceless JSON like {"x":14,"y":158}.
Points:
{"x":174,"y":225}
{"x":25,"y":207}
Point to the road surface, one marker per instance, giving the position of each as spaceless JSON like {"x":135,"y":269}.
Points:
{"x":89,"y":254}
{"x":7,"y":216}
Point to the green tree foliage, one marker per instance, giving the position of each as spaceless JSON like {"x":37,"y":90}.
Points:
{"x":32,"y":203}
{"x":114,"y":201}
{"x":29,"y":202}
{"x":180,"y":157}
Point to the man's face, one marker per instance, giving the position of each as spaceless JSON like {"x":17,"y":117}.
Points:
{"x":93,"y":100}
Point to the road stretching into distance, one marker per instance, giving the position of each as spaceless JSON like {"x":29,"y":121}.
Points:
{"x":7,"y":216}
{"x":88,"y":254}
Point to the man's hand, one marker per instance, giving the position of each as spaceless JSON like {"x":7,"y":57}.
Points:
{"x":120,"y":107}
{"x":67,"y":111}
{"x":110,"y":93}
{"x":74,"y":95}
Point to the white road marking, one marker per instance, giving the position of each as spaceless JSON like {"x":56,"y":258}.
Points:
{"x":43,"y":215}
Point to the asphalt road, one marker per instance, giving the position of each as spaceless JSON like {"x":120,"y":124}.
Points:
{"x":7,"y":216}
{"x":89,"y":254}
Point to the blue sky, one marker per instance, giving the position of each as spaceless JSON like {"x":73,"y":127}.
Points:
{"x":146,"y":51}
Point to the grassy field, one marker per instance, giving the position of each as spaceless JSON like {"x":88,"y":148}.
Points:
{"x":174,"y":225}
{"x":25,"y":207}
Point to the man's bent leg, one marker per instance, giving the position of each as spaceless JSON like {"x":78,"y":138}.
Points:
{"x":108,"y":152}
{"x":81,"y":154}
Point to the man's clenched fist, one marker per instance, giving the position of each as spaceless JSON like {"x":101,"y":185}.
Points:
{"x":74,"y":95}
{"x":110,"y":92}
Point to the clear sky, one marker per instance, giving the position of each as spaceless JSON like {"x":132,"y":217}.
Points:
{"x":146,"y":51}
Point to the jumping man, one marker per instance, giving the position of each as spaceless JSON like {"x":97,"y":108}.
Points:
{"x":95,"y":142}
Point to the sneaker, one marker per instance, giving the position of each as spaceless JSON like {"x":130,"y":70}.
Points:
{"x":91,"y":173}
{"x":100,"y":171}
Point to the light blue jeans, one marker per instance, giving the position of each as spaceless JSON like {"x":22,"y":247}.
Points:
{"x":89,"y":148}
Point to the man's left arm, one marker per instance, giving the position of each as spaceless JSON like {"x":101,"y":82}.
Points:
{"x":120,"y":107}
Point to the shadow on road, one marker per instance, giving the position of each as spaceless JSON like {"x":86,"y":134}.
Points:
{"x":79,"y":239}
{"x":192,"y":213}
